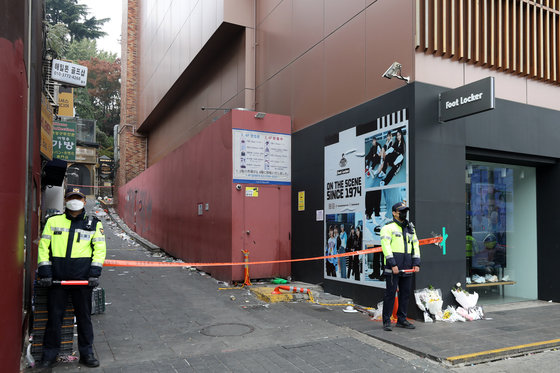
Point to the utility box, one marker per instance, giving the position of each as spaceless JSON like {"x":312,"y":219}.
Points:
{"x":226,"y":190}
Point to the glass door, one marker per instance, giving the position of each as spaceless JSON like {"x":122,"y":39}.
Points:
{"x":501,"y":240}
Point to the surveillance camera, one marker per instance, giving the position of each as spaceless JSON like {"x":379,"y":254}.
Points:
{"x":392,"y":70}
{"x":238,"y":187}
{"x":203,"y":108}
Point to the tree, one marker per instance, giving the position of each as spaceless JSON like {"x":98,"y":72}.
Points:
{"x":56,"y":39}
{"x":104,"y":90}
{"x":75,"y":17}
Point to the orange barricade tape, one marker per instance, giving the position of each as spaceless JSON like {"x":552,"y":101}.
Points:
{"x":135,"y":263}
{"x":91,"y":186}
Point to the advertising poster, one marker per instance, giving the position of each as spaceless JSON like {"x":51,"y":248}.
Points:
{"x":365,"y":175}
{"x":261,"y":157}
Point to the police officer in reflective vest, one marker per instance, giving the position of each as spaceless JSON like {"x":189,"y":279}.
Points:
{"x":401,"y":251}
{"x":72,"y":247}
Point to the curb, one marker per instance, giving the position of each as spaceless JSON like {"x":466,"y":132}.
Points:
{"x":500,"y":353}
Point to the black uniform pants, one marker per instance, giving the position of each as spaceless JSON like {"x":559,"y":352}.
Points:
{"x":404,"y":284}
{"x":56,"y":304}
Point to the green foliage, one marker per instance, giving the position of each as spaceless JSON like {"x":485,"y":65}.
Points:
{"x":75,"y":17}
{"x":86,"y":49}
{"x":83,"y":49}
{"x":104,"y":89}
{"x":105,"y":142}
{"x":57,"y":39}
{"x":71,"y":35}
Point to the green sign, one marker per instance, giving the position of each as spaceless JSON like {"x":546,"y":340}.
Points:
{"x":64,"y":140}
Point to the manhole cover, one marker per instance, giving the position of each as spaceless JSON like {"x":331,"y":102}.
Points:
{"x":227,"y":330}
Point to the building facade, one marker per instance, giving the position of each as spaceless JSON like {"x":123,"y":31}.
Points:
{"x":485,"y":175}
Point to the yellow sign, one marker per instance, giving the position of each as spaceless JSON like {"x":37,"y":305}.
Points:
{"x":46,"y":128}
{"x":66,"y":102}
{"x":301,"y":201}
{"x":251,"y":192}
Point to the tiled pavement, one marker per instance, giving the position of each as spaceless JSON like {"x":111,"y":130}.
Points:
{"x":181,"y":320}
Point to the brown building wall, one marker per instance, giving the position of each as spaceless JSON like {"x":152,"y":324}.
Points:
{"x":313,"y":59}
{"x":221,"y":84}
{"x":307,"y":59}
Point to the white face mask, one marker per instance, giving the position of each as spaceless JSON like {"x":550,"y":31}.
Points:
{"x":74,"y":205}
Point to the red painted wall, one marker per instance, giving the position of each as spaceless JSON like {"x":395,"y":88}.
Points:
{"x":13,"y":147}
{"x":161,"y":203}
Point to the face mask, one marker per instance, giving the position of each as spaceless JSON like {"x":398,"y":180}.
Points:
{"x":402,"y":215}
{"x":74,"y":205}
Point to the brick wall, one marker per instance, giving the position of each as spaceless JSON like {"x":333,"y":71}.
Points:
{"x":132,"y":146}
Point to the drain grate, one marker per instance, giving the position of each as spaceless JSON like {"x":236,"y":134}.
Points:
{"x":227,"y":330}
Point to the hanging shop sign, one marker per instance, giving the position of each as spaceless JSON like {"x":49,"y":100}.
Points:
{"x":261,"y":157}
{"x":46,"y":128}
{"x":64,"y":140}
{"x":69,"y":73}
{"x":469,"y":99}
{"x":66,"y":102}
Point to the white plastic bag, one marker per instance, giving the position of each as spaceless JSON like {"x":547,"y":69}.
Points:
{"x":378,"y":312}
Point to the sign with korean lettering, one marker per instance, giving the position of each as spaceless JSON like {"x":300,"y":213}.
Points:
{"x":64,"y":140}
{"x":261,"y":157}
{"x":70,"y":73}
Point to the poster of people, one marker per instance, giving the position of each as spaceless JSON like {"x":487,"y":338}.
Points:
{"x":365,"y":175}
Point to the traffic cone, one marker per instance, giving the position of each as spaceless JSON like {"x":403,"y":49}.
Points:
{"x":395,"y":306}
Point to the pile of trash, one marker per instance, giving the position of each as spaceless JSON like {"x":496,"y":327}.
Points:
{"x":430,"y":302}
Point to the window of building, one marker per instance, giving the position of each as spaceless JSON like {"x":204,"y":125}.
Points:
{"x":501,"y":245}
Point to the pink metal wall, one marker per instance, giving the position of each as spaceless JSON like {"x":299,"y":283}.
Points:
{"x":161,"y":203}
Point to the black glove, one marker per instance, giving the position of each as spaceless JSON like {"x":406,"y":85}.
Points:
{"x":45,"y":282}
{"x":93,"y":282}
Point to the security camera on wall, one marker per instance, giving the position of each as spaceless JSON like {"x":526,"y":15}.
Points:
{"x":394,"y":71}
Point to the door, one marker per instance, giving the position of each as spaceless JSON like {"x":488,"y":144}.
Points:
{"x":261,"y":215}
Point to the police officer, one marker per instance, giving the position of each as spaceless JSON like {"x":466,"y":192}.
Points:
{"x":401,"y":251}
{"x":72,"y":247}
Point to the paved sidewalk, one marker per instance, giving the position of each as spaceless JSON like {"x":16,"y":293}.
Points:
{"x":508,"y":330}
{"x":182,"y":320}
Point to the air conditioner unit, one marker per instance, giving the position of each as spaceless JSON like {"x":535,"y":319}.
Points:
{"x":51,"y":87}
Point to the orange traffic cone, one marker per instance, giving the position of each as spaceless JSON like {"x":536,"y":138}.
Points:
{"x":395,"y":306}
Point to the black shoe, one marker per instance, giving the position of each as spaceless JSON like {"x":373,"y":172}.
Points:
{"x":89,"y":361}
{"x":405,"y":324}
{"x":47,"y":363}
{"x":387,"y":327}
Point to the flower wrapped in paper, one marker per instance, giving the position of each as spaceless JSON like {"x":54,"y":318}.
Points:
{"x":464,"y":298}
{"x":430,"y":302}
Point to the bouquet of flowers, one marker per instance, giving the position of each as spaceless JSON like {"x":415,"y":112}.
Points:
{"x":451,"y":315}
{"x":429,"y":301}
{"x":464,"y":298}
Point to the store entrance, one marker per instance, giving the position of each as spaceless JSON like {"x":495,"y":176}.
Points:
{"x":501,"y":232}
